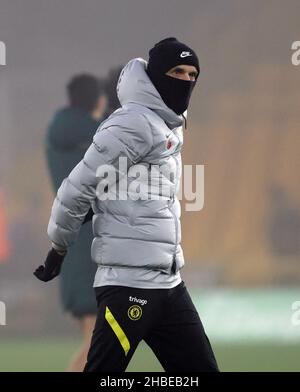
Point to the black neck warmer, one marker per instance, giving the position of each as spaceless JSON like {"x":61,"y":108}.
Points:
{"x":176,"y":93}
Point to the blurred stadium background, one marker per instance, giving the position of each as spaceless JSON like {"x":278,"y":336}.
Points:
{"x":242,"y":250}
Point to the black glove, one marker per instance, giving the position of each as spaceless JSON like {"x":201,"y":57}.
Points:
{"x":88,"y":216}
{"x":51,"y":267}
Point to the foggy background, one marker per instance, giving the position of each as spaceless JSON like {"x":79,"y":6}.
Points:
{"x":243,"y":125}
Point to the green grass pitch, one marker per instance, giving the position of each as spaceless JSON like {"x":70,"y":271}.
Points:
{"x":53,"y":355}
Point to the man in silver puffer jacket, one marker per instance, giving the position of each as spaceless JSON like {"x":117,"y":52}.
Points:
{"x":130,"y":176}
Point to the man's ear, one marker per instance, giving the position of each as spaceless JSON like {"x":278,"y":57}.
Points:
{"x":100,"y":107}
{"x":102,"y":103}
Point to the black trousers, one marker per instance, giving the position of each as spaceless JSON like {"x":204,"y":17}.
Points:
{"x":166,"y":319}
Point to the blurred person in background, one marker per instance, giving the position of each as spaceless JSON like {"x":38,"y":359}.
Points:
{"x":68,"y":136}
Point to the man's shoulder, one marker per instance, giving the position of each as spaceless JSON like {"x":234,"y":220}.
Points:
{"x":126,"y":117}
{"x":125,"y":127}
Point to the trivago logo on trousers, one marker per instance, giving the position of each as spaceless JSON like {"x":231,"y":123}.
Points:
{"x":2,"y":313}
{"x":2,"y":53}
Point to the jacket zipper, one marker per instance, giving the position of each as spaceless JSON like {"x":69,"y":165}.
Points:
{"x":173,"y":268}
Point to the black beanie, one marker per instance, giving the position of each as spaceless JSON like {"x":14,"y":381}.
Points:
{"x":168,"y":53}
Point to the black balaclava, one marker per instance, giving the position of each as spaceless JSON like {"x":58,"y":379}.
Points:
{"x":164,"y":56}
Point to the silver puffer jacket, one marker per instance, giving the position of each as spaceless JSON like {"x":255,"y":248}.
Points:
{"x":137,"y":232}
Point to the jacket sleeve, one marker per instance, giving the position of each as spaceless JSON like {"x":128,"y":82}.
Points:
{"x":127,"y":135}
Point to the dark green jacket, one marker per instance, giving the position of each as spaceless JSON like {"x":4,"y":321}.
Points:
{"x":69,"y":135}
